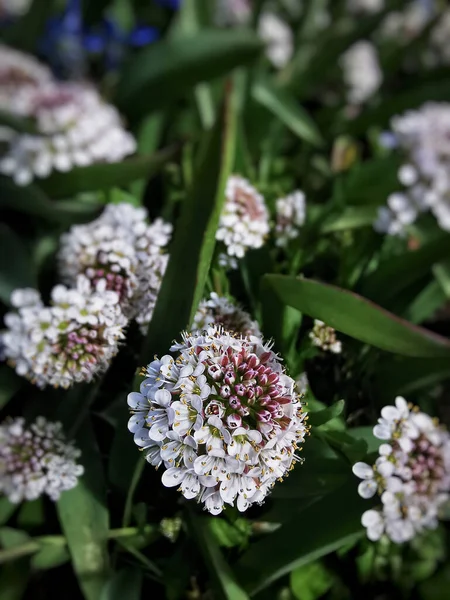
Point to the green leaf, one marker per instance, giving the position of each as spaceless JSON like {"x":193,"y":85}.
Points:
{"x":194,"y":239}
{"x":125,"y":584}
{"x":323,"y":416}
{"x":311,"y":581}
{"x":365,"y":434}
{"x":320,"y":529}
{"x":83,"y":516}
{"x":284,"y":107}
{"x":31,"y":200}
{"x":10,"y":383}
{"x":7,"y":508}
{"x":49,"y":556}
{"x":16,"y":269}
{"x":394,"y":275}
{"x":352,"y":217}
{"x":219,"y":569}
{"x":105,"y":175}
{"x":25,"y":32}
{"x":160,"y":74}
{"x":355,"y":316}
{"x":228,"y":534}
{"x":407,"y":375}
{"x":426,"y":303}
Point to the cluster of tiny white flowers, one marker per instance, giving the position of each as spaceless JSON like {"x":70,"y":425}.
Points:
{"x":411,"y":474}
{"x":290,"y":217}
{"x":324,"y":337}
{"x":277,"y":36}
{"x":365,"y":6}
{"x":362,"y":72}
{"x":123,"y":252}
{"x":244,"y":222}
{"x":402,"y":26}
{"x":424,"y":138}
{"x":73,"y":126}
{"x":223,"y":418}
{"x":36,"y":460}
{"x":219,"y":310}
{"x":70,"y":341}
{"x":20,"y":76}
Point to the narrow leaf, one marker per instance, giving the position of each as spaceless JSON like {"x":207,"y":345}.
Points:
{"x":194,"y":240}
{"x":83,"y":515}
{"x":355,"y":316}
{"x":167,"y":70}
{"x":352,"y":217}
{"x":323,"y":416}
{"x":284,"y":107}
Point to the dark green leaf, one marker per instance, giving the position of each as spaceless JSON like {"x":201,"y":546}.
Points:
{"x":105,"y":176}
{"x":125,"y":584}
{"x":16,"y":269}
{"x":394,"y":275}
{"x":407,"y":375}
{"x":323,"y":416}
{"x":219,"y":569}
{"x":194,"y":239}
{"x":284,"y":107}
{"x":83,"y":515}
{"x":228,"y":534}
{"x":25,"y":32}
{"x":49,"y":556}
{"x":6,"y":510}
{"x":169,"y":69}
{"x":426,"y":303}
{"x":31,"y":200}
{"x":365,"y":434}
{"x":10,"y":383}
{"x":351,"y":217}
{"x":322,"y":528}
{"x":355,"y":316}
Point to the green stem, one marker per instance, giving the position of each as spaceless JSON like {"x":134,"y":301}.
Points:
{"x":138,"y":470}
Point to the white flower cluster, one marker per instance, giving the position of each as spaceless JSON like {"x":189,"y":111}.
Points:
{"x":424,"y":137}
{"x":36,"y":460}
{"x":277,"y":36}
{"x":232,"y":12}
{"x":402,"y":26}
{"x":411,"y":474}
{"x":362,"y":72}
{"x":218,"y":310}
{"x":244,"y":222}
{"x":290,"y":217}
{"x":324,"y":337}
{"x":365,"y":6}
{"x":124,"y":253}
{"x":70,"y":341}
{"x":73,"y":126}
{"x":222,"y":417}
{"x":20,"y":76}
{"x":13,"y":8}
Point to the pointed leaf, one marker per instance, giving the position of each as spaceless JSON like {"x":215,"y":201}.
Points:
{"x":355,"y":316}
{"x":323,"y":416}
{"x":168,"y":69}
{"x":194,"y":239}
{"x":125,"y":584}
{"x":83,"y":516}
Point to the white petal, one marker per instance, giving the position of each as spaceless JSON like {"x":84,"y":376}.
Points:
{"x":402,"y":406}
{"x":367,"y":489}
{"x":384,"y":467}
{"x":362,"y":470}
{"x":385,"y":449}
{"x":371,"y":517}
{"x":136,"y":400}
{"x":382,"y":431}
{"x":163,"y":397}
{"x":173,"y":476}
{"x":390,"y":413}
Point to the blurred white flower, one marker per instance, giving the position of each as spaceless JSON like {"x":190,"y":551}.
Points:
{"x":232,"y":12}
{"x":290,"y":217}
{"x":36,"y":460}
{"x":244,"y":222}
{"x":222,"y":416}
{"x":13,"y":8}
{"x":218,"y":310}
{"x":405,"y":25}
{"x":123,"y":252}
{"x":362,"y":72}
{"x":72,"y":340}
{"x":411,"y":475}
{"x":277,"y":36}
{"x":365,"y":6}
{"x":74,"y":128}
{"x":324,"y":337}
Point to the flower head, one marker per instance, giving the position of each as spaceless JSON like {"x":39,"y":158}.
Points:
{"x":277,"y":36}
{"x":123,"y":252}
{"x":362,"y":72}
{"x":290,"y":217}
{"x":70,"y":341}
{"x":36,"y":460}
{"x":222,"y":416}
{"x":244,"y":222}
{"x":411,"y":474}
{"x":324,"y":337}
{"x":218,"y":310}
{"x":74,"y":128}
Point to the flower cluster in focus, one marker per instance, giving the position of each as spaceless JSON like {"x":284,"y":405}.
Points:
{"x":222,"y":416}
{"x":72,"y":340}
{"x":36,"y":460}
{"x":411,"y":474}
{"x":324,"y":337}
